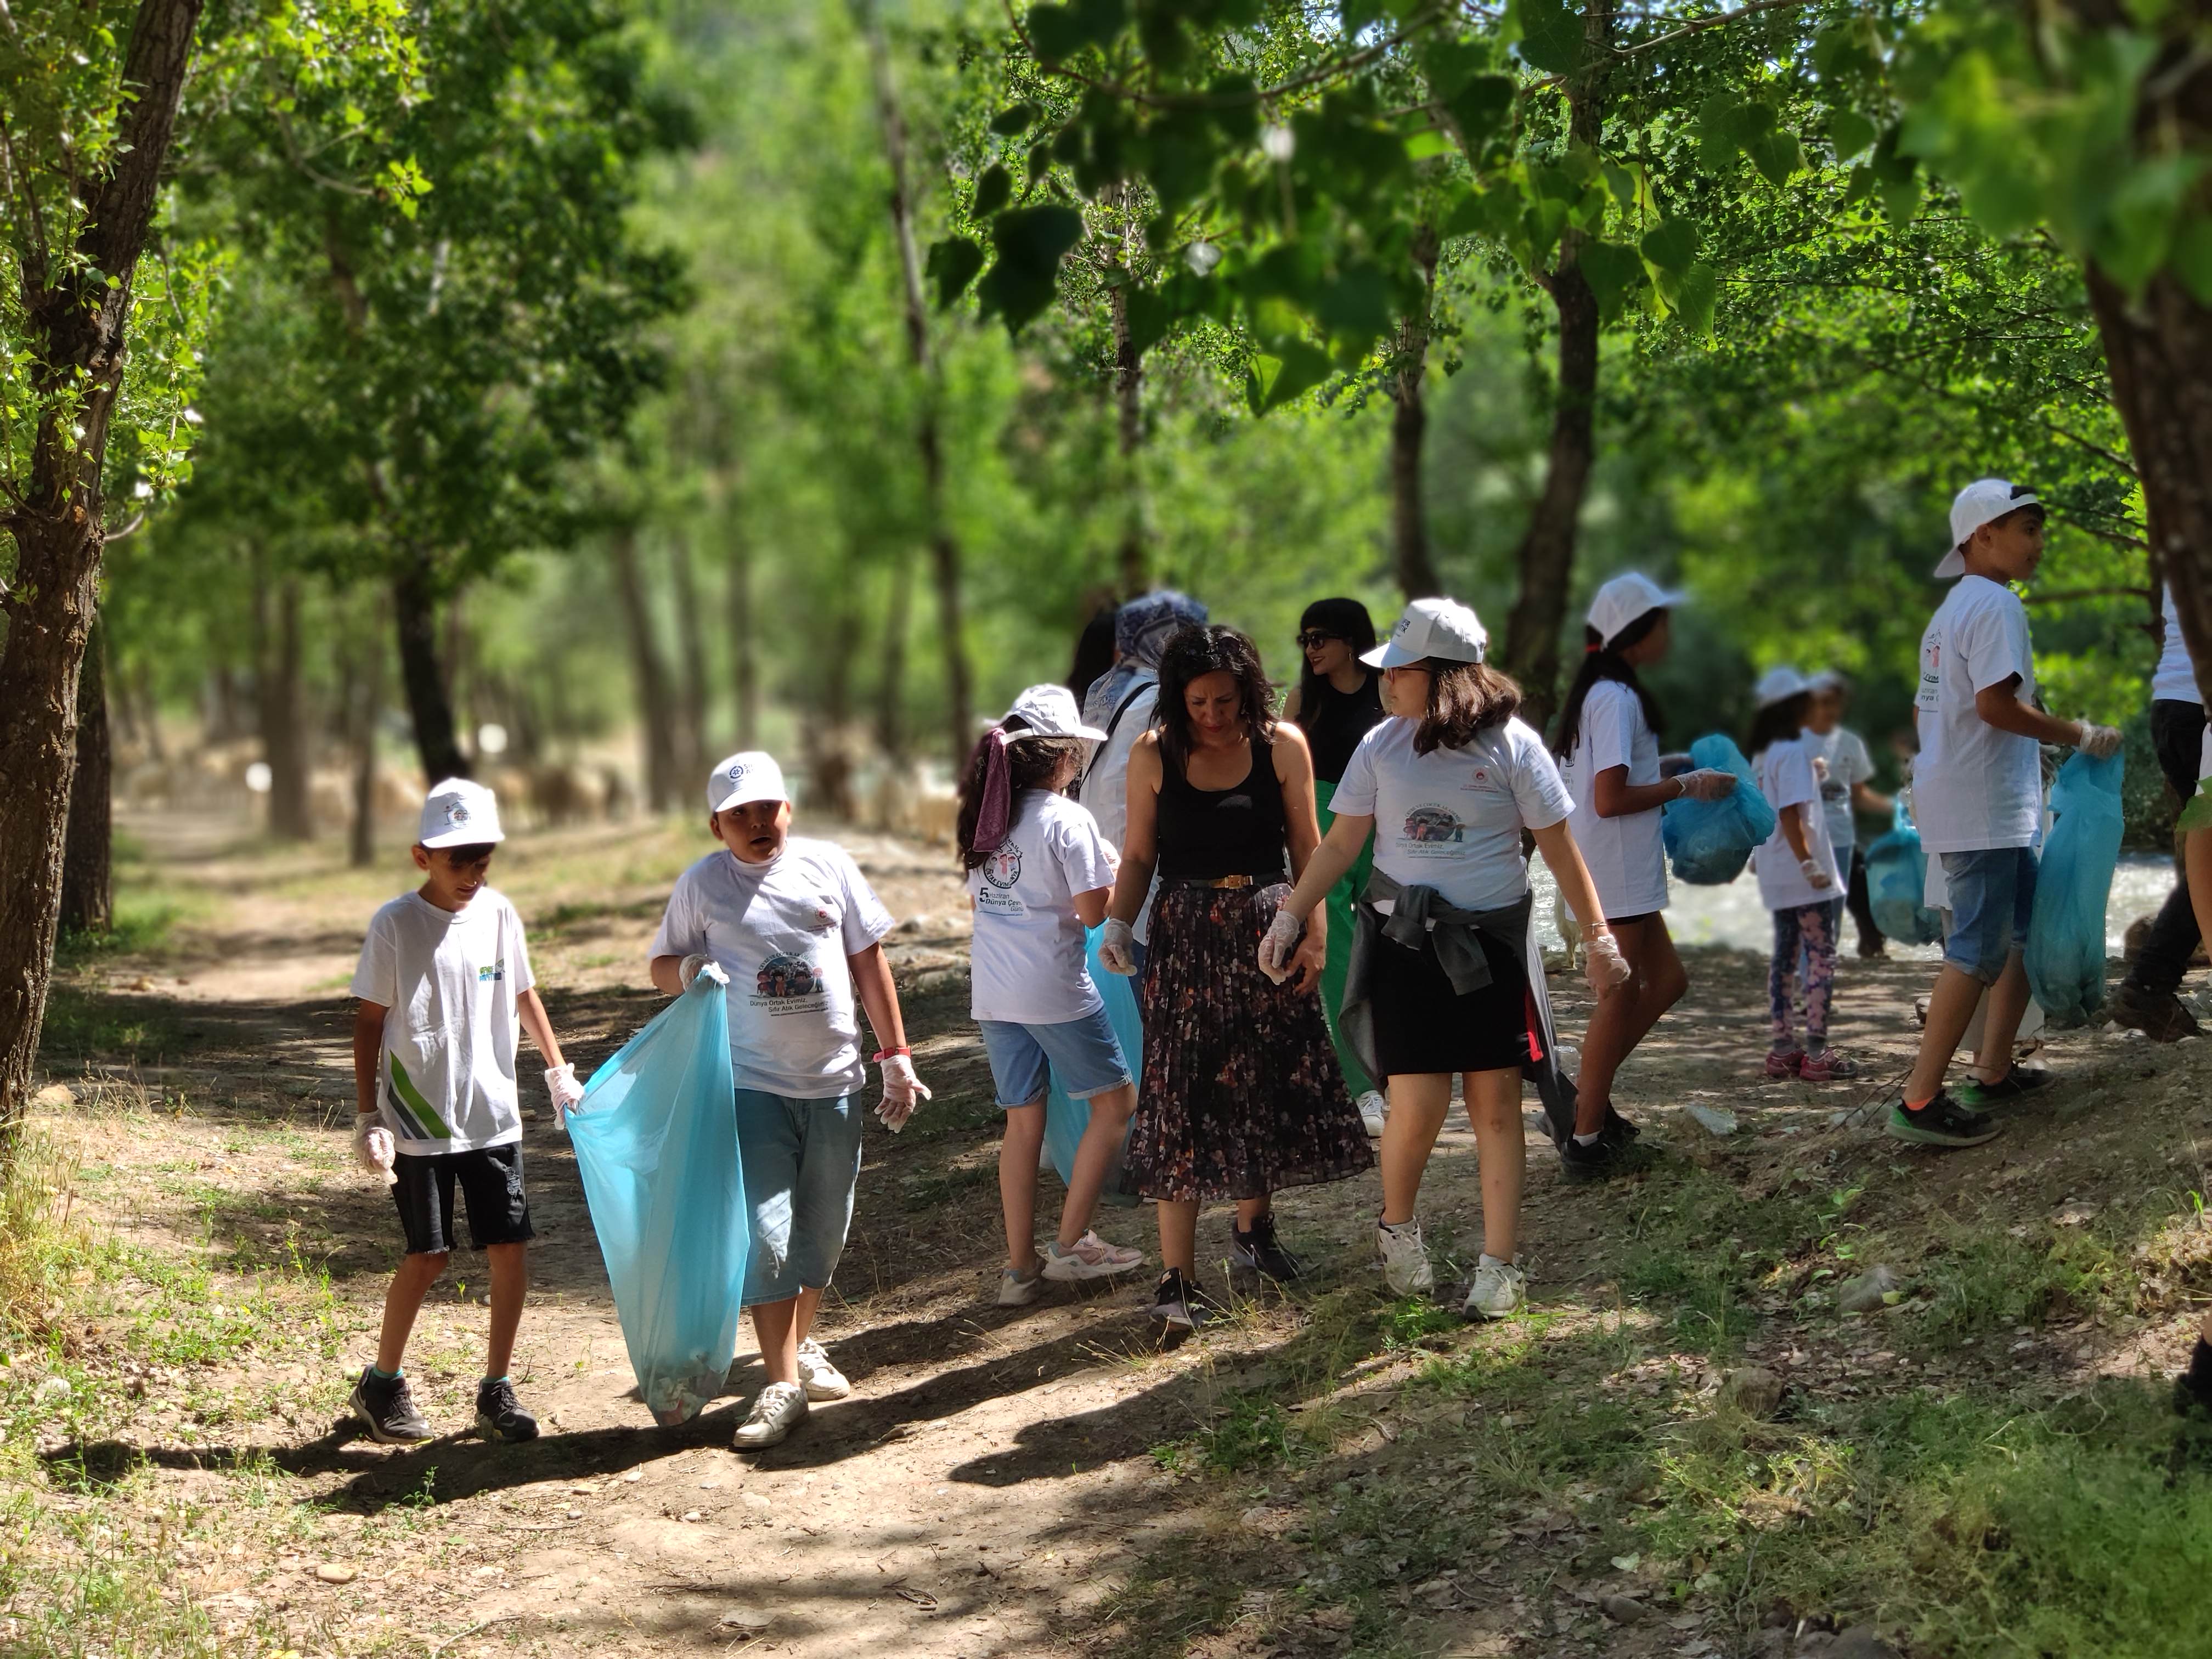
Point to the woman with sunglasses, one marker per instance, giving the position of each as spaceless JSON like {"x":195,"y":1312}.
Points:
{"x":1337,"y":701}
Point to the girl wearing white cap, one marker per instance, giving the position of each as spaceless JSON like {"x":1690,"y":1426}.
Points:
{"x":1039,"y":874}
{"x":1799,"y":880}
{"x":1443,"y":980}
{"x":1608,"y":751}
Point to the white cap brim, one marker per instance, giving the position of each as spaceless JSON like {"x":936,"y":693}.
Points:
{"x":466,"y":836}
{"x":747,"y":797}
{"x":1088,"y":734}
{"x":1953,"y":563}
{"x":1387,"y":655}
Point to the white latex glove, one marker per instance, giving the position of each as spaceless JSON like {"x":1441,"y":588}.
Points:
{"x":561,"y":1084}
{"x":1277,"y":944}
{"x":371,"y":1146}
{"x":689,"y":969}
{"x":1819,"y":875}
{"x":1708,"y":783}
{"x":903,"y":1092}
{"x":1603,"y":966}
{"x":2097,"y":742}
{"x":1117,"y":948}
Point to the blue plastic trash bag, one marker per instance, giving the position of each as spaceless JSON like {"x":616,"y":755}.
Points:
{"x":1710,"y":841}
{"x":1065,"y":1120}
{"x":656,"y":1140}
{"x":1897,"y":885}
{"x":2066,"y":936}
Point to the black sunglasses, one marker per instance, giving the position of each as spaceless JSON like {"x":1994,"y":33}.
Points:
{"x":1314,"y":636}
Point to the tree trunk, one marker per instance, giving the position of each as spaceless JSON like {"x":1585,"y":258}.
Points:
{"x":284,"y":721}
{"x":664,"y":787}
{"x":415,"y":613}
{"x":891,"y":691}
{"x":745,"y":662}
{"x":88,"y":883}
{"x":150,"y":712}
{"x":828,"y":752}
{"x":1409,"y":421}
{"x":691,"y":640}
{"x":1132,"y":562}
{"x":364,"y":706}
{"x":77,"y":304}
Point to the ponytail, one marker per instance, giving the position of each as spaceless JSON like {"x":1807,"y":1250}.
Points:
{"x":1005,"y":762}
{"x":1601,"y":660}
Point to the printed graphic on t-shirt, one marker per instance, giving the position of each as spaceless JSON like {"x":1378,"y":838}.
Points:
{"x":999,"y":872}
{"x":492,"y":971}
{"x":784,"y":978}
{"x":1004,"y":867}
{"x":1432,"y":825}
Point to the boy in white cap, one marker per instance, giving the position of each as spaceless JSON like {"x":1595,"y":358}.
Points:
{"x":443,"y":982}
{"x":1978,"y":799}
{"x":796,"y":932}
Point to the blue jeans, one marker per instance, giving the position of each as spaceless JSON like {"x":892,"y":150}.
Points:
{"x":1992,"y":896}
{"x":801,"y":1160}
{"x":1084,"y":1052}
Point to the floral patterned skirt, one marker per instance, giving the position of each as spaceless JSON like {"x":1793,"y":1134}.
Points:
{"x":1242,"y":1094}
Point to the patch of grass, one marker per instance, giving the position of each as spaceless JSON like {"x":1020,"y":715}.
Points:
{"x":84,"y":1024}
{"x":928,"y":1192}
{"x":1983,"y":1282}
{"x":1253,"y":1433}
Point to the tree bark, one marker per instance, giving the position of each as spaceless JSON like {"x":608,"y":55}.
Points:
{"x":364,"y":706}
{"x":1133,"y":560}
{"x":76,"y":311}
{"x":744,"y":661}
{"x":691,"y":640}
{"x":891,"y":690}
{"x":415,"y":614}
{"x":664,"y":786}
{"x":284,"y":721}
{"x":87,"y":881}
{"x":141,"y":682}
{"x":1409,"y":420}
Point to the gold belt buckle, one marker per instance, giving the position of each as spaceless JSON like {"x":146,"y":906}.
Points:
{"x":1236,"y":881}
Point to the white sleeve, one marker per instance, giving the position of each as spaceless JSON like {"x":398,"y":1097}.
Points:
{"x":1355,"y":790}
{"x":680,"y":933}
{"x":376,"y":977}
{"x":1993,"y":640}
{"x":1610,"y":715}
{"x":1858,"y":764}
{"x":866,"y":919}
{"x":1082,"y":851}
{"x":1794,"y":783}
{"x":1538,"y":789}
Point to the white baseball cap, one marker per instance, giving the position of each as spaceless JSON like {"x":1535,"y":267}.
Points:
{"x":1976,"y":505}
{"x":1829,"y":679}
{"x":459,"y":813}
{"x":1779,"y":685}
{"x":1431,"y":628}
{"x":740,"y":778}
{"x":1622,"y":600}
{"x":1050,"y":711}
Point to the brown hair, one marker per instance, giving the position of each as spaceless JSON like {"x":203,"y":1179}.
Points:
{"x":1200,"y":650}
{"x":1032,"y":762}
{"x":1464,"y":699}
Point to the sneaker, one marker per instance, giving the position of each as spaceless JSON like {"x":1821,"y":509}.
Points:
{"x":386,"y":1406}
{"x":1617,"y":1127}
{"x":1373,"y":1109}
{"x":1181,"y":1303}
{"x":1828,"y":1065}
{"x":1784,"y":1062}
{"x":821,"y":1379}
{"x":1599,"y":1158}
{"x":1258,"y":1250}
{"x":1089,"y":1257}
{"x":2017,"y":1081}
{"x":1497,"y":1289}
{"x":1405,"y":1259}
{"x":1942,"y":1122}
{"x":780,"y":1408}
{"x":500,"y":1415}
{"x":1018,"y":1290}
{"x":2192,"y":1388}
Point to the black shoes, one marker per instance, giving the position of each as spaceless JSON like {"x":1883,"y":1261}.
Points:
{"x":1942,"y":1122}
{"x":386,"y":1408}
{"x":500,"y":1415}
{"x":2158,"y":1015}
{"x":1180,"y":1303}
{"x":1259,"y":1251}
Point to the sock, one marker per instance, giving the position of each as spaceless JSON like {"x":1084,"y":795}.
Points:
{"x":383,"y":1375}
{"x":2199,"y":1375}
{"x":1393,"y":1228}
{"x":1919,"y":1105}
{"x":489,"y":1381}
{"x":1589,"y":1139}
{"x":1486,"y":1259}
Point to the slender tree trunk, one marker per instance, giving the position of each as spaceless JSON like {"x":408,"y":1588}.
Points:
{"x":1132,"y":554}
{"x":364,"y":706}
{"x":657,"y":752}
{"x":149,"y":711}
{"x":691,"y":640}
{"x":415,"y":617}
{"x":76,"y":309}
{"x":891,"y":690}
{"x":829,"y":752}
{"x":1409,"y":421}
{"x":284,"y":721}
{"x":87,"y":882}
{"x":744,"y":663}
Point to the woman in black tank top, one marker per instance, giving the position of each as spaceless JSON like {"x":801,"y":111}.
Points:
{"x":1241,"y":1095}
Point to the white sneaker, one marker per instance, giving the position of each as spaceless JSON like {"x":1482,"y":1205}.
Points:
{"x":1373,"y":1109}
{"x":1090,"y":1257}
{"x":1406,"y":1268}
{"x":821,"y":1379}
{"x":1019,"y":1290}
{"x":1497,"y":1289}
{"x":781,"y":1409}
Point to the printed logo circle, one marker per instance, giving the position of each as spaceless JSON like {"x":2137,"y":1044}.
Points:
{"x":1004,"y":867}
{"x":782,"y":977}
{"x":1434,"y":825}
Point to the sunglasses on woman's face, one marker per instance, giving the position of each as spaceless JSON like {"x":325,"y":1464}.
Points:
{"x":1314,"y":636}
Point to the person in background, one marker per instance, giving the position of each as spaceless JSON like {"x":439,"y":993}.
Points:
{"x":2148,"y":999}
{"x":1337,"y":701}
{"x":2192,"y":1389}
{"x":1094,"y":652}
{"x":1799,"y":880}
{"x":1845,"y":769}
{"x":1123,"y":702}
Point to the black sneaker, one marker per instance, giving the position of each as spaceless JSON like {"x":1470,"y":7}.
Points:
{"x":1181,"y":1303}
{"x":2017,"y":1081}
{"x":1617,"y":1127}
{"x":1601,"y":1157}
{"x":2192,"y":1389}
{"x":1258,"y":1250}
{"x":387,"y":1408}
{"x":500,"y":1415}
{"x":1942,"y":1122}
{"x":2158,"y":1015}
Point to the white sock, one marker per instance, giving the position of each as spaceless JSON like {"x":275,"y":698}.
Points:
{"x":1582,"y":1140}
{"x":1411,"y":1223}
{"x":1486,"y":1259}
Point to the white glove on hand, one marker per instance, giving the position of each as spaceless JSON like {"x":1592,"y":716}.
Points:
{"x":688,"y":970}
{"x":561,"y":1084}
{"x":1277,"y":944}
{"x":1708,"y":783}
{"x":1117,"y":949}
{"x":2097,"y":742}
{"x":371,"y":1146}
{"x":1603,"y":966}
{"x":1819,"y":875}
{"x":903,"y":1092}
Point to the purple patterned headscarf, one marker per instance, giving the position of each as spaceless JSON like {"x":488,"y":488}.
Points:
{"x":1142,"y":629}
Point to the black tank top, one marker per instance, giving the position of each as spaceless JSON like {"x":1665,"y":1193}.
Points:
{"x":1334,"y":728}
{"x":1236,"y":831}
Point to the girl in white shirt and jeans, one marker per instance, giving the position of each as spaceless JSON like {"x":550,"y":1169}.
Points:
{"x":1799,"y":881}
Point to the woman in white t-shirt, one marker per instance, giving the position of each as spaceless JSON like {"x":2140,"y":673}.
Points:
{"x":1446,"y":786}
{"x":1799,"y":880}
{"x":1039,"y":875}
{"x":1608,"y":751}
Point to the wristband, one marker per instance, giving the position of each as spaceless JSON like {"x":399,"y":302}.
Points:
{"x":881,"y":1055}
{"x":1681,"y":785}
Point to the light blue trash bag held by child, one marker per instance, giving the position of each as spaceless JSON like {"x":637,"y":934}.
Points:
{"x":2066,"y":934}
{"x":1897,"y":885}
{"x":1710,"y":842}
{"x":1065,"y":1120}
{"x":656,"y":1142}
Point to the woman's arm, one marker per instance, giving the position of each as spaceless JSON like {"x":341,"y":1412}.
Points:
{"x":1613,"y":796}
{"x":1140,"y":834}
{"x":1294,"y":771}
{"x":1871,"y":801}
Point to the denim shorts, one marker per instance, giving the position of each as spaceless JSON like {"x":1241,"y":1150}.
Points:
{"x":1992,"y":895}
{"x":1084,"y":1052}
{"x":801,"y":1160}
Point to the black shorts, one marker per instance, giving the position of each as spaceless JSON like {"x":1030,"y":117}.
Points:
{"x":1422,"y":1027}
{"x":491,"y":1179}
{"x":2176,"y":733}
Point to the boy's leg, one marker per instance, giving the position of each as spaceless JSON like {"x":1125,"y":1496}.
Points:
{"x":1017,"y":1182}
{"x":2008,"y":1000}
{"x":510,"y":1285}
{"x":402,"y":1302}
{"x":499,"y":1222}
{"x":776,"y":1326}
{"x":822,"y":1204}
{"x":423,"y":1189}
{"x":1990,"y":893}
{"x":1951,"y":1007}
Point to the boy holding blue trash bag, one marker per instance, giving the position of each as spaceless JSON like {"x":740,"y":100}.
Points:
{"x":1978,"y":799}
{"x":798,"y":931}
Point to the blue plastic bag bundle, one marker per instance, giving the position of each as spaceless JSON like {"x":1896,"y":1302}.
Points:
{"x":2066,"y":935}
{"x":1897,"y":885}
{"x":1710,"y":842}
{"x":657,"y":1143}
{"x":1065,"y":1120}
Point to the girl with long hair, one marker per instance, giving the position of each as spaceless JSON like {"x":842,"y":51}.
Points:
{"x":1799,"y":881}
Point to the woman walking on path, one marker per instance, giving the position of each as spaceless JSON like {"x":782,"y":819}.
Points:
{"x":1241,"y":1096}
{"x":1337,"y":701}
{"x":1799,"y":880}
{"x":1443,"y":975}
{"x":1608,"y":751}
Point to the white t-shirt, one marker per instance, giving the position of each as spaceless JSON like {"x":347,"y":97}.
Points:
{"x":1626,"y":858}
{"x":449,"y":981}
{"x":1451,"y":819}
{"x":1785,"y":776}
{"x":1027,"y":961}
{"x":781,"y":931}
{"x":1974,"y":788}
{"x":1106,"y":784}
{"x":1847,"y":764}
{"x":2175,"y":680}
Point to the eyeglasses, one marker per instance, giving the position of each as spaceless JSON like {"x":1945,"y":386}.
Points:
{"x":1314,"y":636}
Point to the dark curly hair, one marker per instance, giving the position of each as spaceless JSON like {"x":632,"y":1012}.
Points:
{"x":1464,"y":699}
{"x":1215,"y":649}
{"x":1031,"y":763}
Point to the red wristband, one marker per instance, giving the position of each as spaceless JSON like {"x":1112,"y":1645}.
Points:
{"x":884,"y":1055}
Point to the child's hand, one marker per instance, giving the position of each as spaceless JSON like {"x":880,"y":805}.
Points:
{"x":903,"y":1091}
{"x":1604,"y":968}
{"x":561,"y":1084}
{"x":690,"y":968}
{"x":1708,"y":783}
{"x":1818,"y":874}
{"x":371,"y":1146}
{"x":2097,"y":742}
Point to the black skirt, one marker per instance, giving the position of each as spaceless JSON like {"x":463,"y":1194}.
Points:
{"x":1422,"y":1027}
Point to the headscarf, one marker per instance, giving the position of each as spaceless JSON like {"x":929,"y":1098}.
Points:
{"x":1142,"y":629}
{"x":995,"y":816}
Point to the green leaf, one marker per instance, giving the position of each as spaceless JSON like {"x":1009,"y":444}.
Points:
{"x":993,"y":192}
{"x":1776,"y":154}
{"x":1672,"y":245}
{"x":1014,"y":119}
{"x":1481,"y":109}
{"x":951,"y":265}
{"x":1036,"y":237}
{"x":1355,"y":302}
{"x":1551,"y":34}
{"x":1059,"y":32}
{"x":1150,"y":315}
{"x":1614,"y":272}
{"x":1422,"y":146}
{"x":1040,"y":159}
{"x":1696,"y":296}
{"x":1849,"y":131}
{"x":1301,"y":366}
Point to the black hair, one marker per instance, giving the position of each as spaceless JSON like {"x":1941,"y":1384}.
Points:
{"x":1217,"y":649}
{"x":1031,"y":763}
{"x":1602,"y":661}
{"x":1348,"y":620}
{"x":1464,"y":699}
{"x":1779,"y":722}
{"x":475,"y":852}
{"x":1094,"y":652}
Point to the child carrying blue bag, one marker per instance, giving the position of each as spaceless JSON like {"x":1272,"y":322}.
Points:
{"x":1710,"y":842}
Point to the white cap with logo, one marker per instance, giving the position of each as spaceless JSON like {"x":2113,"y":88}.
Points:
{"x":1977,"y":504}
{"x":1443,"y":629}
{"x":1622,"y":600}
{"x":1050,"y":711}
{"x":738,"y":780}
{"x":459,"y":813}
{"x":1779,"y":685}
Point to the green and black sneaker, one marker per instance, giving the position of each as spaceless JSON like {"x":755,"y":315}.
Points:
{"x":1942,"y":1122}
{"x":2016,"y":1083}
